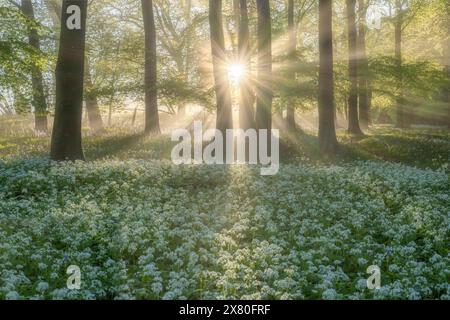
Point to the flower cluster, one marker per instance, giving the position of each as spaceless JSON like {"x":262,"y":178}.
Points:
{"x":152,"y":230}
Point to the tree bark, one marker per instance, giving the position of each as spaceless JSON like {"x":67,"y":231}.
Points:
{"x":92,"y":108}
{"x":292,"y":46}
{"x":187,"y":14}
{"x":363,"y":94}
{"x":264,"y":93}
{"x":54,"y":9}
{"x":133,"y":119}
{"x":447,"y":63}
{"x":39,"y":102}
{"x":353,"y":120}
{"x":224,"y":116}
{"x":236,"y":15}
{"x":66,"y":135}
{"x":150,"y":84}
{"x":398,"y":59}
{"x":246,"y":113}
{"x":327,"y":133}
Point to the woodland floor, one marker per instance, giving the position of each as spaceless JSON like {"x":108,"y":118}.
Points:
{"x":140,"y":227}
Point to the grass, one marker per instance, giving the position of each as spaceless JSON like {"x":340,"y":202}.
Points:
{"x":423,"y":148}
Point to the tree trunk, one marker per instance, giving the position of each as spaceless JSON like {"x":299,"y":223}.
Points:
{"x":363,"y":97}
{"x":39,"y":102}
{"x":369,"y":99}
{"x":93,"y":111}
{"x":346,"y":109}
{"x":236,"y":15}
{"x":264,"y":93}
{"x":353,"y":121}
{"x":327,"y":133}
{"x":447,"y":60}
{"x":150,"y":85}
{"x":20,"y":103}
{"x":110,"y":113}
{"x":224,"y":116}
{"x":187,"y":14}
{"x":66,"y":135}
{"x":292,"y":46}
{"x":398,"y":58}
{"x":133,"y":119}
{"x":54,"y":9}
{"x":246,"y":113}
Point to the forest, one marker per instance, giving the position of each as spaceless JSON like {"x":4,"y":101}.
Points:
{"x":122,"y":175}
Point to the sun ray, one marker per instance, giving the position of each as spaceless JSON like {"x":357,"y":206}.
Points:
{"x":236,"y":73}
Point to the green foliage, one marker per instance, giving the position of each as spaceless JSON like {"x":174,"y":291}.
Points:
{"x":18,"y":58}
{"x":423,"y":79}
{"x":176,"y":92}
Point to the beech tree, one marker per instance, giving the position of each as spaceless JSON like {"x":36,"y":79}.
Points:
{"x":39,"y":103}
{"x":447,"y":58}
{"x":66,"y":135}
{"x":405,"y":10}
{"x":290,"y":110}
{"x":246,"y":113}
{"x":224,"y":117}
{"x":177,"y":35}
{"x":92,"y":106}
{"x":54,"y":9}
{"x":363,"y":67}
{"x":327,"y":133}
{"x":353,"y":120}
{"x":398,"y":26}
{"x":150,"y":85}
{"x":264,"y":93}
